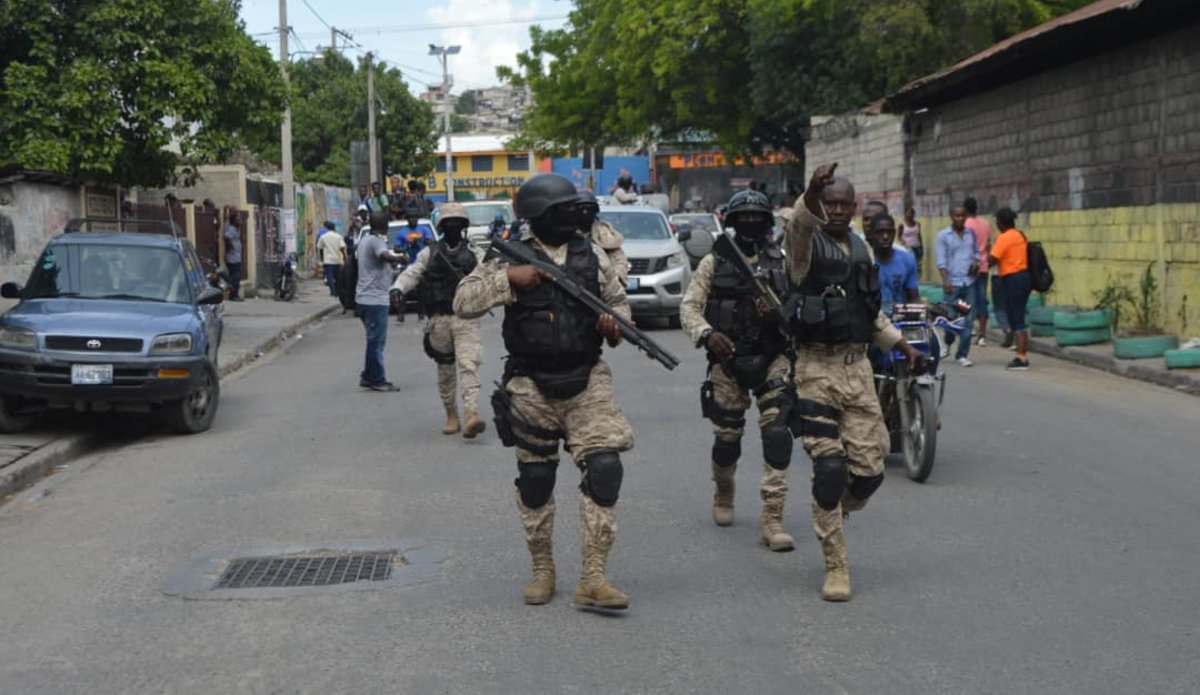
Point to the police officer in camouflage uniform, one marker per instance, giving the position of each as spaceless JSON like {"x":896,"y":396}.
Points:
{"x":449,"y":340}
{"x":555,"y":385}
{"x":602,"y":233}
{"x":834,"y":314}
{"x":748,"y":352}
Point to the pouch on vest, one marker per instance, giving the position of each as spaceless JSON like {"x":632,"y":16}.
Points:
{"x":749,"y":370}
{"x":564,"y":384}
{"x":502,"y":415}
{"x":837,"y":317}
{"x":707,"y":399}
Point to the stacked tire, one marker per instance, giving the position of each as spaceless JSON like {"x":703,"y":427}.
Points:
{"x":1144,"y":347}
{"x":1082,"y":327}
{"x":1182,"y":359}
{"x":1041,"y":319}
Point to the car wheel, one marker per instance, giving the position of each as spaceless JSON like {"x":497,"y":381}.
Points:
{"x":11,"y":421}
{"x":194,"y":413}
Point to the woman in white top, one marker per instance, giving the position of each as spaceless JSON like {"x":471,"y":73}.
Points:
{"x":910,"y":236}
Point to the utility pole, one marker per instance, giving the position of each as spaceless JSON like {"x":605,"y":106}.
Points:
{"x":333,"y":39}
{"x":528,"y":106}
{"x":443,"y":52}
{"x":374,"y":159}
{"x":289,"y":195}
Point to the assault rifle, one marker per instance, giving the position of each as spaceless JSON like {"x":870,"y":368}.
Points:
{"x":725,"y":247}
{"x":519,"y":256}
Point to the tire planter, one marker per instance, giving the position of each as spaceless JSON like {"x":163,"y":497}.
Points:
{"x":1144,"y":347}
{"x":1035,"y":300}
{"x":1082,"y":336}
{"x":1182,"y":359}
{"x":1041,"y":330}
{"x":1080,"y":320}
{"x":1044,"y":315}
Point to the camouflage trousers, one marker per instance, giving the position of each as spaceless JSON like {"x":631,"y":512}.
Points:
{"x":729,"y":396}
{"x":843,"y":380}
{"x":460,"y":337}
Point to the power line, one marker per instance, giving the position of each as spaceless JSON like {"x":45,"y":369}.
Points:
{"x":413,"y":28}
{"x":319,"y":17}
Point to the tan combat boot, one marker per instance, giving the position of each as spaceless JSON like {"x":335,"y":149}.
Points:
{"x":837,"y":570}
{"x":539,"y":532}
{"x":474,"y":425}
{"x":451,"y":426}
{"x":599,"y":526}
{"x":774,"y":489}
{"x":722,"y":510}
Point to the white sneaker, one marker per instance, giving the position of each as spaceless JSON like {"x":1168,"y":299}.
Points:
{"x":981,"y":341}
{"x":964,"y":362}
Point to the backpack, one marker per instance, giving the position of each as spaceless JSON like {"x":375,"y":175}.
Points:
{"x":1039,"y":265}
{"x":348,"y":280}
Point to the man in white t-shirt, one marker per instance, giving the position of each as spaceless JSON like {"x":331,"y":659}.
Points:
{"x":331,"y":250}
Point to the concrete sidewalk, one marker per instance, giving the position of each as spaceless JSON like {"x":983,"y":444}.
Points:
{"x":252,"y":328}
{"x":1100,"y":356}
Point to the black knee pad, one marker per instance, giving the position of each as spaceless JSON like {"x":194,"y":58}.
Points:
{"x":602,"y":473}
{"x":829,"y":481}
{"x":777,"y":445}
{"x":536,"y":482}
{"x":726,"y":453}
{"x":862,"y":488}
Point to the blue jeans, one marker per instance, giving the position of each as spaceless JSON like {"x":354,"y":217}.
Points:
{"x":981,"y":295}
{"x":1000,"y":301}
{"x":1017,"y":288}
{"x":967,"y":294}
{"x":374,"y":318}
{"x":332,"y":273}
{"x":235,"y":279}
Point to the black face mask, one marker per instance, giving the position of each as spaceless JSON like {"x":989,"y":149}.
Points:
{"x":559,"y":225}
{"x":452,"y":234}
{"x":587,"y":218}
{"x":749,"y":234}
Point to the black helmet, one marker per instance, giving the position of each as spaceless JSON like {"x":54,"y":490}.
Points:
{"x":539,"y":193}
{"x":625,"y":181}
{"x":589,"y":199}
{"x":746,"y":201}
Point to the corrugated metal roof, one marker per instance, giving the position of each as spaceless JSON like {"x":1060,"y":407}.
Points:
{"x":1027,"y":38}
{"x":477,"y":143}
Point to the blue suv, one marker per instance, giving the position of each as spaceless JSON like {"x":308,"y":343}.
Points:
{"x":112,"y":321}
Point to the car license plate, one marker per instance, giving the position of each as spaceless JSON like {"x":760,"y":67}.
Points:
{"x":91,"y":374}
{"x":633,"y":284}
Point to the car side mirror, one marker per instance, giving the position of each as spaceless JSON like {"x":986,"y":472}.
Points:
{"x":210,"y":295}
{"x":683,"y":235}
{"x":10,"y":290}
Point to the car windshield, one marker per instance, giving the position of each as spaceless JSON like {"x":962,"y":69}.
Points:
{"x":705,"y":223}
{"x":638,"y":225}
{"x":109,"y":271}
{"x":482,"y":215}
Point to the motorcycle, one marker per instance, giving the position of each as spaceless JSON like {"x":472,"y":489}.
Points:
{"x":216,"y":277}
{"x":285,"y":279}
{"x":910,"y":402}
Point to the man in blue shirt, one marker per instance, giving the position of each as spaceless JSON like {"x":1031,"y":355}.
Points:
{"x":958,"y":262}
{"x":898,"y":283}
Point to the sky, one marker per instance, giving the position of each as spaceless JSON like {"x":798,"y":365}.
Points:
{"x":491,"y":32}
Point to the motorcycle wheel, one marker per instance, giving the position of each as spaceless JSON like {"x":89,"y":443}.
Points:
{"x":289,"y":289}
{"x":920,"y":441}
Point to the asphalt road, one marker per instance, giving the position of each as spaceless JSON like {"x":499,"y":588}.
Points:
{"x":1053,"y":550}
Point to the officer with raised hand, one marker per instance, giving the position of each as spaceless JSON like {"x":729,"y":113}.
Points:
{"x":748,"y":352}
{"x":449,"y":340}
{"x":833,"y":313}
{"x":555,"y":385}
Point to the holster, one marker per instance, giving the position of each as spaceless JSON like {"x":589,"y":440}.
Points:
{"x":439,"y":357}
{"x":707,"y":399}
{"x":502,"y":415}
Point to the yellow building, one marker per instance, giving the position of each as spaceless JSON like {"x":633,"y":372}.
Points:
{"x":484,"y":167}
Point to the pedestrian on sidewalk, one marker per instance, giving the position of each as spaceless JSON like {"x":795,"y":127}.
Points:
{"x":371,"y":296}
{"x":958,"y":262}
{"x":1011,"y":254}
{"x":332,"y":250}
{"x":982,"y":229}
{"x":748,"y":352}
{"x":450,"y":341}
{"x":233,"y":254}
{"x":555,"y":385}
{"x":910,"y":236}
{"x":835,"y":302}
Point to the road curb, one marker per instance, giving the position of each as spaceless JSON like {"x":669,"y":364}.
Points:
{"x":37,"y":464}
{"x":1130,"y":369}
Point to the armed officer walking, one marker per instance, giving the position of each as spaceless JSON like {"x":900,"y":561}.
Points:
{"x":555,"y":384}
{"x":834,"y":314}
{"x":748,"y":352}
{"x":449,"y":340}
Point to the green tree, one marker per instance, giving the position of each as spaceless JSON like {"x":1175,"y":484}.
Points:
{"x":329,"y":110}
{"x":125,"y":91}
{"x":466,"y":104}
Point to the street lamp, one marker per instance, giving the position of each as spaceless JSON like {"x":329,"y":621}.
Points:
{"x":441,"y":52}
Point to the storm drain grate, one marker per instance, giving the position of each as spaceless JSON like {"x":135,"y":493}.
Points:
{"x":310,"y":570}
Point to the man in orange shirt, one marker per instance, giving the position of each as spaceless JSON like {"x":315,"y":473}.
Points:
{"x":1011,"y":254}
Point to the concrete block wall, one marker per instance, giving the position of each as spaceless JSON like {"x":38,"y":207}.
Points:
{"x":869,"y":150}
{"x":1101,"y":158}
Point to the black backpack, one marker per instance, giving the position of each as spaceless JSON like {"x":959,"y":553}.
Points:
{"x":1039,"y":266}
